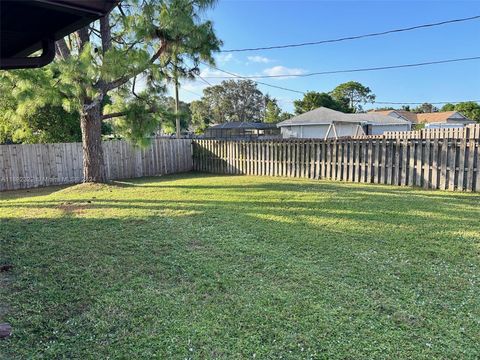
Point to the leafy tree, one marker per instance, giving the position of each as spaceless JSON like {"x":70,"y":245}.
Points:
{"x":200,"y":116}
{"x":169,"y":121}
{"x":285,"y":116}
{"x":385,"y":108}
{"x":138,"y":39}
{"x":425,"y":108}
{"x":272,"y":111}
{"x":354,"y":93}
{"x":231,"y":101}
{"x":312,"y":100}
{"x":42,"y":124}
{"x":47,"y":124}
{"x":470,"y":109}
{"x":448,"y":107}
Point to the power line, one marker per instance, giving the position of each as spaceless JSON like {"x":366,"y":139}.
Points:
{"x":245,"y":77}
{"x":205,"y":81}
{"x":355,"y":37}
{"x":408,"y":102}
{"x":420,"y":103}
{"x":353,"y":70}
{"x":303,"y":92}
{"x":191,"y":92}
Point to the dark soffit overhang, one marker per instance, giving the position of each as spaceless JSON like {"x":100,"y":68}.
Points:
{"x":27,"y":26}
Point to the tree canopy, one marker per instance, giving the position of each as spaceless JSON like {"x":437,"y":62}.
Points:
{"x":355,"y":95}
{"x":425,"y":108}
{"x":312,"y":100}
{"x":272,"y":111}
{"x":168,"y":125}
{"x":470,"y":109}
{"x":232,"y":100}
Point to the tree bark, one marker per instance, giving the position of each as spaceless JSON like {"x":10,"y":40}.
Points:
{"x":62,"y":49}
{"x":91,"y":126}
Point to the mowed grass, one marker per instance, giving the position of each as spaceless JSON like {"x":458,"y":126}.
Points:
{"x":206,"y":267}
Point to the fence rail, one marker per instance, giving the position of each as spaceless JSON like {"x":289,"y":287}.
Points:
{"x":27,"y":166}
{"x":467,"y":132}
{"x":431,"y":164}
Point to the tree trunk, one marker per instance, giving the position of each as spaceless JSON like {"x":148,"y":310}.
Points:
{"x":91,"y":125}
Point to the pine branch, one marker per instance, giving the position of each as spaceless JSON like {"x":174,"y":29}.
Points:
{"x":123,"y":113}
{"x":114,"y":115}
{"x":124,"y":79}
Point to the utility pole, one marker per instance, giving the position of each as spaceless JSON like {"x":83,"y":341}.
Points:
{"x":177,"y":109}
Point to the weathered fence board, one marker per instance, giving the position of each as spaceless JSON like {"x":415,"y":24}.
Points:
{"x":26,"y":166}
{"x":447,"y":164}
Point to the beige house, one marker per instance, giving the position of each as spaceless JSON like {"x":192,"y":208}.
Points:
{"x":324,"y":123}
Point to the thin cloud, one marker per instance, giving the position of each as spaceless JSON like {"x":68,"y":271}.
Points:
{"x":259,"y":59}
{"x":283,"y":70}
{"x":224,"y":58}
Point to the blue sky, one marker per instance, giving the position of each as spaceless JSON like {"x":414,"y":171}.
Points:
{"x":261,"y":23}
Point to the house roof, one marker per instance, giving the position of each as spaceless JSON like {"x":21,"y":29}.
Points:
{"x":327,"y":116}
{"x":436,"y":117}
{"x":440,"y":117}
{"x":379,"y":119}
{"x":382,"y":112}
{"x":243,"y":125}
{"x":406,"y":115}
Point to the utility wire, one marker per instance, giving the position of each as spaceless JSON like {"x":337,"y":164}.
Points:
{"x":356,"y":37}
{"x":233,"y":75}
{"x":191,"y":92}
{"x":353,"y":70}
{"x":303,"y":92}
{"x":420,"y":103}
{"x":205,"y":81}
{"x":408,"y":102}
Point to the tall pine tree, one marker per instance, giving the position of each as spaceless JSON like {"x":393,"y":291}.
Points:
{"x":117,"y":67}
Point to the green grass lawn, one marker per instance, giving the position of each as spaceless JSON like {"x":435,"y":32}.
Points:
{"x":203,"y":267}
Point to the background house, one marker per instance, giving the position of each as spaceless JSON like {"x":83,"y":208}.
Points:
{"x":445,"y":117}
{"x":238,"y":130}
{"x":326,"y":123}
{"x":435,"y":119}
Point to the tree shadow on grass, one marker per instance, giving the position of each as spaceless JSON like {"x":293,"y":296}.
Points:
{"x":229,"y":275}
{"x":293,"y":185}
{"x":328,"y":200}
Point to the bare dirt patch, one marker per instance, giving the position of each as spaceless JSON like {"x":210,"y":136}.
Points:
{"x":75,"y":208}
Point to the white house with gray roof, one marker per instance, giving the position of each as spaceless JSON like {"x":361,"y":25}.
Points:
{"x":326,"y":123}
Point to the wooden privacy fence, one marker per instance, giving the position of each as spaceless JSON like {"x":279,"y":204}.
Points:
{"x":27,"y":166}
{"x":431,"y":164}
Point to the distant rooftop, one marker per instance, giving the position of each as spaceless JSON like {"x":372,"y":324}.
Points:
{"x":323,"y":115}
{"x":435,"y":117}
